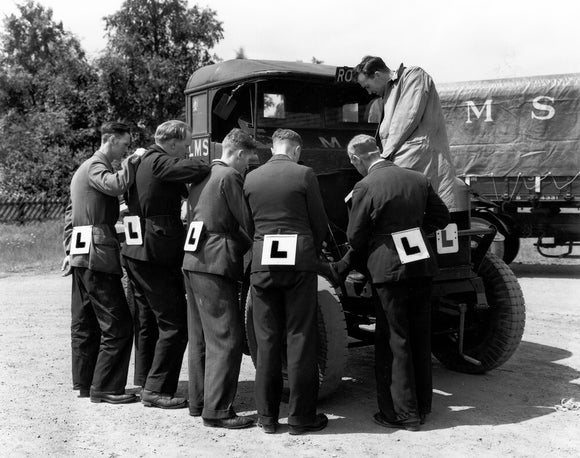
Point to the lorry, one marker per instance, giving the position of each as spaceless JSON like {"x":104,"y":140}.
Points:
{"x":478,"y":310}
{"x":516,"y":143}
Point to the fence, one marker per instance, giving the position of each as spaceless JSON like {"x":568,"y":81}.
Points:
{"x":22,"y":210}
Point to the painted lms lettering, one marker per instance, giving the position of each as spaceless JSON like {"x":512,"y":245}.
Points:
{"x":542,"y":109}
{"x":200,"y":147}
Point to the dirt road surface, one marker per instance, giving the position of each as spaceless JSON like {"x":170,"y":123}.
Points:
{"x":508,"y":412}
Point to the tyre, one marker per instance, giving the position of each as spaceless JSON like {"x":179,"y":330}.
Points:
{"x":506,"y":243}
{"x":332,"y":338}
{"x":491,"y":336}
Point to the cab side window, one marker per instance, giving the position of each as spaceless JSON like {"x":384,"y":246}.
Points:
{"x":274,"y":106}
{"x":198,"y":114}
{"x":290,"y":106}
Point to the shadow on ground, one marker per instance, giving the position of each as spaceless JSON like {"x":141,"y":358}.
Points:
{"x":529,"y":385}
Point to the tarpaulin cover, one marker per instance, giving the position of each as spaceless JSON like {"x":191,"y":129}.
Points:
{"x":503,"y":128}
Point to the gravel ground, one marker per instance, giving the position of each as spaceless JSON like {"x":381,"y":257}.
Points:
{"x":509,"y":411}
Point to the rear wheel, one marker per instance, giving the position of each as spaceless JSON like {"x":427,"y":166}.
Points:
{"x":332,"y":344}
{"x":492,"y":335}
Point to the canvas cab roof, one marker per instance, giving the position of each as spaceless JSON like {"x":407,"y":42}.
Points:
{"x":238,"y":70}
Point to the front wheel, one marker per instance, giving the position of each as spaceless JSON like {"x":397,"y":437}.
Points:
{"x":332,"y":338}
{"x":492,"y":335}
{"x":506,"y":243}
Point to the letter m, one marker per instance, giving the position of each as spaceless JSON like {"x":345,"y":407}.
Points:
{"x":197,"y":147}
{"x":333,"y":143}
{"x":478,"y":112}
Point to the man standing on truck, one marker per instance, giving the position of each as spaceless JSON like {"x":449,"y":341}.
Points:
{"x":412,"y":129}
{"x":213,"y":268}
{"x":101,"y":324}
{"x":392,"y":209}
{"x":153,"y":255}
{"x":289,"y":226}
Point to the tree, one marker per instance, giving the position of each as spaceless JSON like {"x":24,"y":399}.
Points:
{"x":46,"y":119}
{"x":153,"y":48}
{"x":42,"y":65}
{"x":52,"y":100}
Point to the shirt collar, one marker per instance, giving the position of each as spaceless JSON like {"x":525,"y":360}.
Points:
{"x":282,"y":157}
{"x":397,"y":73}
{"x":375,"y":163}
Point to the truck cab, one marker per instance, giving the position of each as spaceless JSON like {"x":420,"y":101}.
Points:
{"x":478,"y":308}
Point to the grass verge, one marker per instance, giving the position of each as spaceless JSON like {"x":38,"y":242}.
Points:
{"x":31,"y":247}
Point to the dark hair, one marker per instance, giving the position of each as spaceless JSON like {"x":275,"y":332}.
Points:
{"x":369,"y":65}
{"x":286,"y":134}
{"x":237,"y":138}
{"x":118,"y":128}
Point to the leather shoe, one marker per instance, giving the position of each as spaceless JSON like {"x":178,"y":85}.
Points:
{"x":268,"y":428}
{"x":84,"y":393}
{"x":99,"y":396}
{"x":319,"y":424}
{"x":161,"y":400}
{"x":229,"y":423}
{"x":410,"y":424}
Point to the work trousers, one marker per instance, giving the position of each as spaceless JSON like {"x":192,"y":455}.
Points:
{"x":403,"y":348}
{"x":159,"y":295}
{"x":101,"y":331}
{"x":215,"y":343}
{"x":285,"y":313}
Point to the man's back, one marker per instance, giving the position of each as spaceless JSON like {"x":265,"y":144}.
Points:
{"x":218,"y":202}
{"x":391,"y":199}
{"x":91,"y":206}
{"x":160,"y":184}
{"x":156,"y":197}
{"x":284,"y":198}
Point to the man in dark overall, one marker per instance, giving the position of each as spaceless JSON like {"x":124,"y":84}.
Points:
{"x":153,"y":255}
{"x":392,"y":209}
{"x":101,"y":328}
{"x":290,"y":225}
{"x":213,"y":269}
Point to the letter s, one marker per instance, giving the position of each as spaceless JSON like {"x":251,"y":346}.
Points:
{"x":540,"y":106}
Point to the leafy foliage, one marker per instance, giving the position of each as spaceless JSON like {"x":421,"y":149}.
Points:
{"x":46,"y":120}
{"x":154,"y":47}
{"x":53,"y":100}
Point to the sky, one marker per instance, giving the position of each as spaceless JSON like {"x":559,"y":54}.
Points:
{"x":453,"y":40}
